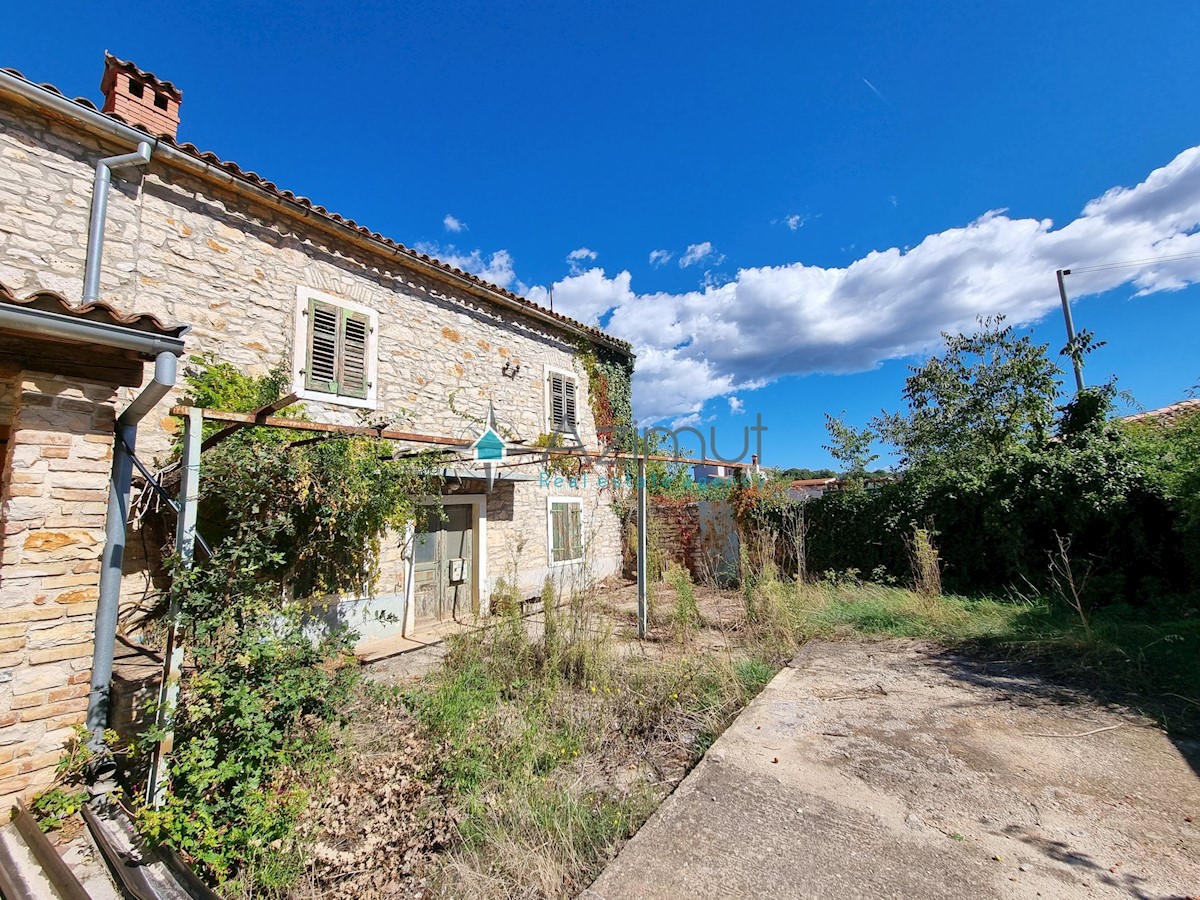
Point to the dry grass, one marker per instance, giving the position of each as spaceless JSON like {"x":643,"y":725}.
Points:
{"x":553,"y":737}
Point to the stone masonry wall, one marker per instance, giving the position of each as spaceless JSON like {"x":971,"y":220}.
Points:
{"x":191,"y":252}
{"x":52,"y":523}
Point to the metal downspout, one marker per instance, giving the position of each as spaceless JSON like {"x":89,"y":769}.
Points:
{"x":122,"y":165}
{"x":116,"y":523}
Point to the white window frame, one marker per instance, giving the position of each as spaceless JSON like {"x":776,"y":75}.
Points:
{"x":300,"y":351}
{"x":583,"y":536}
{"x":549,"y":417}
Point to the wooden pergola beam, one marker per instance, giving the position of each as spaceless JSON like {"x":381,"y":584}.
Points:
{"x":263,"y":419}
{"x":245,"y":420}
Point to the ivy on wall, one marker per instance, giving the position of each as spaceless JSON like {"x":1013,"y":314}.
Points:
{"x":610,"y":392}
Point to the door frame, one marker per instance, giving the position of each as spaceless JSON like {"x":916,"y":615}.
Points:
{"x":478,"y":503}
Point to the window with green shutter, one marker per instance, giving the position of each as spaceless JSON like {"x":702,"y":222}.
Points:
{"x":562,"y":402}
{"x":355,"y":368}
{"x":566,"y":531}
{"x":339,"y":347}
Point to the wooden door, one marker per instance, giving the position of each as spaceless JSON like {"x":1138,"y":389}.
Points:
{"x":426,"y":583}
{"x":443,"y":577}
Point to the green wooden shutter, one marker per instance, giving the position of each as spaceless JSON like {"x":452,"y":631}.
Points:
{"x":562,"y":402}
{"x":321,"y":372}
{"x":575,"y":519}
{"x":558,"y":531}
{"x":566,"y":532}
{"x":556,"y":401}
{"x":355,"y":368}
{"x":568,"y":404}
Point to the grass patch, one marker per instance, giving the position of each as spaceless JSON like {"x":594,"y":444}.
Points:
{"x":555,"y":750}
{"x":1148,"y":652}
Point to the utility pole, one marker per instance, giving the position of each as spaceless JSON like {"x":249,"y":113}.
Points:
{"x":1066,"y":305}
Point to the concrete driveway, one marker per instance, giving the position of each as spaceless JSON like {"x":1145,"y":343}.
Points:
{"x":896,"y":769}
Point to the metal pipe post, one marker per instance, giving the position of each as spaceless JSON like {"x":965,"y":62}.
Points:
{"x":642,"y":529}
{"x":108,"y":604}
{"x":1066,"y":306}
{"x":185,"y":546}
{"x":116,"y":524}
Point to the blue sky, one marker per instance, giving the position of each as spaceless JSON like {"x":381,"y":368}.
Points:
{"x":765,"y":150}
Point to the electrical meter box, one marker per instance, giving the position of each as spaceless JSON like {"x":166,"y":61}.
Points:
{"x":457,"y":569}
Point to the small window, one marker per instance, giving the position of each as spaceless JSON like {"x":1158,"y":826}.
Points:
{"x":136,"y":89}
{"x":561,"y":392}
{"x":566,"y":530}
{"x":161,"y":101}
{"x":339,"y":349}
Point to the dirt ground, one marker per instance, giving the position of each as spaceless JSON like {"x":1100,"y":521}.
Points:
{"x":898,"y":769}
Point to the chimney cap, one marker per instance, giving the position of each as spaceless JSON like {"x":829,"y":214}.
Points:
{"x":113,"y":64}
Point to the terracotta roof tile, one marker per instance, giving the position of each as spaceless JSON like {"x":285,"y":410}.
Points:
{"x":1168,"y":415}
{"x":192,"y":150}
{"x":53,"y":302}
{"x":112,"y":63}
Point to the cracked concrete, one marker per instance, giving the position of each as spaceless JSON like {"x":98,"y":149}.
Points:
{"x":898,"y":769}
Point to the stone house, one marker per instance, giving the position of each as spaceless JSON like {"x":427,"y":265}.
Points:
{"x":369,"y":329}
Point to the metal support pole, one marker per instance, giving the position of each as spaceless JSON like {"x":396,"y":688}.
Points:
{"x":185,"y":545}
{"x":642,"y":528}
{"x":1066,"y":305}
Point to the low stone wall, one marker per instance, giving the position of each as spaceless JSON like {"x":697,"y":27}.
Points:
{"x":52,"y":515}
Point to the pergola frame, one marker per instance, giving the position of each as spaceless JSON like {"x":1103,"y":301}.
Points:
{"x":194,"y":444}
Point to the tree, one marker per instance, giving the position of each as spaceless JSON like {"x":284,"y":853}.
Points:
{"x":850,"y":446}
{"x":987,"y":393}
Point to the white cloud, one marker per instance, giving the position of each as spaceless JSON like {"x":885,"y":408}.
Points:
{"x":771,"y":321}
{"x":496,"y":268}
{"x":575,"y":257}
{"x":736,"y":407}
{"x":793,"y":221}
{"x":704,"y":252}
{"x":453,"y":224}
{"x":660,"y":257}
{"x":586,"y":295}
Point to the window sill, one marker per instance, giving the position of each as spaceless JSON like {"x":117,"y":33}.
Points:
{"x":336,"y":399}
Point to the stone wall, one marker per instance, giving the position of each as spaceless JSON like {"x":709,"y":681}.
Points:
{"x":699,"y":535}
{"x":190,"y":251}
{"x":52,"y":522}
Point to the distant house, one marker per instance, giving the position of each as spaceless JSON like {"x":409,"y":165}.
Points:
{"x":709,"y":474}
{"x":1167,"y":415}
{"x":807,"y":488}
{"x":365,"y":327}
{"x":811,"y":488}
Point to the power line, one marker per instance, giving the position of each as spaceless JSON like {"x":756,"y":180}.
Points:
{"x":1133,"y":262}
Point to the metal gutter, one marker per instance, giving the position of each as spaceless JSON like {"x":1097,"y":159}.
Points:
{"x":145,"y":871}
{"x":40,"y":96}
{"x":63,"y":327}
{"x":65,"y":884}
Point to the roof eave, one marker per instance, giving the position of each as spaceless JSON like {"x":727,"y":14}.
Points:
{"x":45,"y":95}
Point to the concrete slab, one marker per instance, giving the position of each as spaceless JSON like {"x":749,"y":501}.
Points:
{"x":897,"y":769}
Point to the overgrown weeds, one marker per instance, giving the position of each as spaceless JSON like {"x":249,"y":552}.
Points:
{"x":555,"y":749}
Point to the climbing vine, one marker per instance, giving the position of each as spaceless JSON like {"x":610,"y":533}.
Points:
{"x":610,"y":390}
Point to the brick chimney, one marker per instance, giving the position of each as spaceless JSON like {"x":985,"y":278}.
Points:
{"x":140,"y":98}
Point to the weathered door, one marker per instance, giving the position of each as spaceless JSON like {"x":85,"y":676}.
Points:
{"x":442,"y":565}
